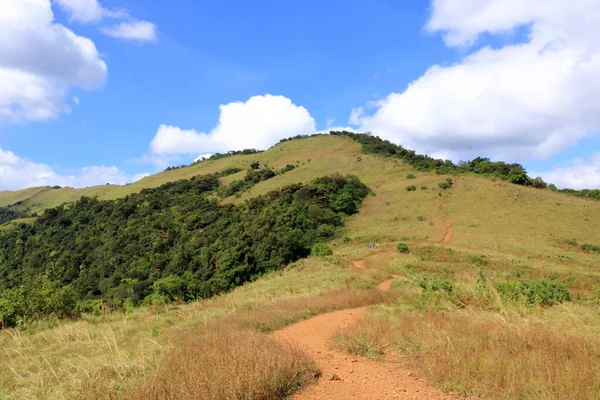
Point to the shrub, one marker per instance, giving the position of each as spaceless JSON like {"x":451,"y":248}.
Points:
{"x":402,"y":247}
{"x":423,"y":187}
{"x":411,"y":176}
{"x":411,"y":188}
{"x":534,"y":291}
{"x":444,"y":185}
{"x":321,"y":249}
{"x":420,"y":218}
{"x":436,"y":285}
{"x":590,"y":248}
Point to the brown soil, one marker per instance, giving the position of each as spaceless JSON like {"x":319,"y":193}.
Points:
{"x":449,"y":231}
{"x":385,"y":286}
{"x":350,"y":377}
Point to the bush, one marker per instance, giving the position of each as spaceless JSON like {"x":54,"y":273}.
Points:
{"x":435,"y":285}
{"x":411,"y":188}
{"x":444,"y":185}
{"x":590,"y":248}
{"x":320,"y":250}
{"x":411,"y":176}
{"x":534,"y":291}
{"x":423,"y":187}
{"x":420,"y":218}
{"x":402,"y":247}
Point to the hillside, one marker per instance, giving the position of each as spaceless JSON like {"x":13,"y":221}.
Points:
{"x":477,"y":292}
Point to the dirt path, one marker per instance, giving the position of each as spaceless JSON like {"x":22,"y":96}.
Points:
{"x":345,"y":376}
{"x":449,"y":231}
{"x":359,"y":378}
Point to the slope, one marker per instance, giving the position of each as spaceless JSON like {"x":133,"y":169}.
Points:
{"x":449,"y":321}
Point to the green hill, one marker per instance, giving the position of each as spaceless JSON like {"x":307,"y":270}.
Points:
{"x":497,"y":278}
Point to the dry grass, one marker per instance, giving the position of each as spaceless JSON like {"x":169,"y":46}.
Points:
{"x":221,"y":363}
{"x":109,"y":354}
{"x":514,"y":352}
{"x":232,"y":358}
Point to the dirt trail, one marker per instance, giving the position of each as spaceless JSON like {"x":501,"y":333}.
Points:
{"x":385,"y":286}
{"x":449,"y":231}
{"x":345,"y":376}
{"x":359,"y":378}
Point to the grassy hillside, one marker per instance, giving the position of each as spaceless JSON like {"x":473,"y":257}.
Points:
{"x":455,"y":318}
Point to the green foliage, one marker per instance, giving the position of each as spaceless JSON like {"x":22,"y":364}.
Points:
{"x":411,"y":176}
{"x":218,"y":156}
{"x":321,"y":249}
{"x":423,"y":187}
{"x":420,"y":218}
{"x":175,"y":242}
{"x":436,"y":284}
{"x":287,"y":168}
{"x":253,"y":176}
{"x":8,"y":214}
{"x":444,"y":185}
{"x":590,"y":248}
{"x":255,"y":165}
{"x":410,"y":188}
{"x":534,"y":291}
{"x":402,"y":248}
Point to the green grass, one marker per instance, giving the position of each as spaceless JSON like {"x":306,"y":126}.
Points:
{"x":504,"y":231}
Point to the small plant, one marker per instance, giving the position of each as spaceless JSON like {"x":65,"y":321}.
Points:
{"x":420,"y":218}
{"x":347,"y":239}
{"x":154,"y":331}
{"x":411,"y":188}
{"x":534,"y":291}
{"x":411,"y":176}
{"x":444,"y":185}
{"x":402,"y":248}
{"x":320,"y":250}
{"x":436,"y":285}
{"x":423,"y":187}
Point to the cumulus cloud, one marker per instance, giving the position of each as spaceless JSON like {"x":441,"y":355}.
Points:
{"x":137,"y":30}
{"x":18,"y":173}
{"x":39,"y":60}
{"x":258,"y":123}
{"x":520,"y":101}
{"x":577,"y":174}
{"x":202,"y":157}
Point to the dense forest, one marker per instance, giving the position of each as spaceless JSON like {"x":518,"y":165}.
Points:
{"x":8,"y":214}
{"x":172,"y":242}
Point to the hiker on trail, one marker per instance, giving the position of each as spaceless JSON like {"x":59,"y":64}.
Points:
{"x":373,"y":245}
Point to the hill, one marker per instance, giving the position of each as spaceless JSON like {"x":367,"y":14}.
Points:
{"x":489,"y":279}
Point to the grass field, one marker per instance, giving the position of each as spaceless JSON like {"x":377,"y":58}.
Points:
{"x":470,"y":339}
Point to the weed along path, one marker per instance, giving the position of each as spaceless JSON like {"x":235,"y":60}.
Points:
{"x":345,"y":376}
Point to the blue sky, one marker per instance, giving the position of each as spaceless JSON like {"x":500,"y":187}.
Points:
{"x":342,"y":64}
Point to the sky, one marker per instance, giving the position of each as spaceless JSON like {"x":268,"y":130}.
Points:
{"x":109,"y":91}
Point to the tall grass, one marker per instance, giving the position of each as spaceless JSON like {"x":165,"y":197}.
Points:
{"x":485,"y":353}
{"x":233,"y":358}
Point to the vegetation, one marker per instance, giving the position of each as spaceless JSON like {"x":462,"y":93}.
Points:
{"x":534,"y":291}
{"x":410,"y":188}
{"x":168,"y":243}
{"x":402,"y":248}
{"x":8,"y":214}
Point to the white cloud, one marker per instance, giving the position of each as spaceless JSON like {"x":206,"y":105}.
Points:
{"x":520,"y":101}
{"x":577,"y":174}
{"x":18,"y":173}
{"x":136,"y":30}
{"x":258,"y":123}
{"x":85,"y":11}
{"x":40,"y":60}
{"x":202,"y":157}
